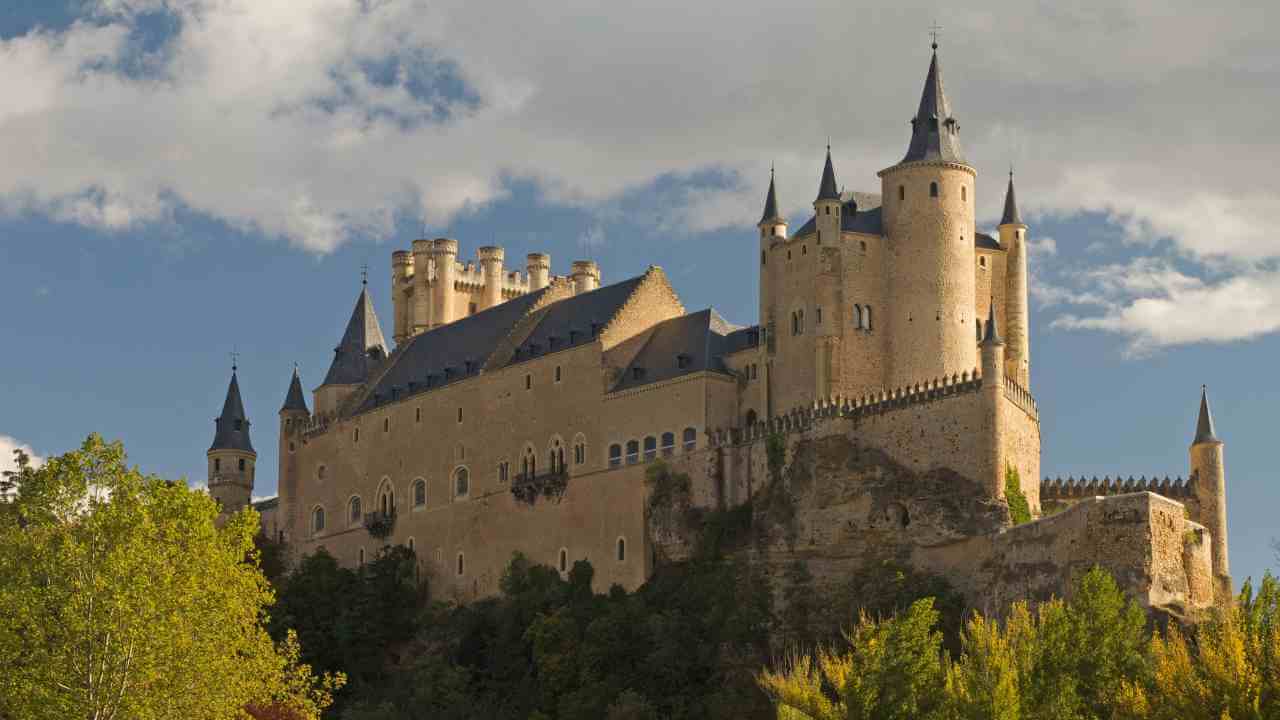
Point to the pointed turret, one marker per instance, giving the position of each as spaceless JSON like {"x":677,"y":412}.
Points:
{"x":231,"y":429}
{"x":992,"y":335}
{"x":770,"y":203}
{"x":1011,"y":216}
{"x":1204,"y":423}
{"x":935,"y":134}
{"x":295,"y":400}
{"x":827,"y":189}
{"x":362,"y":345}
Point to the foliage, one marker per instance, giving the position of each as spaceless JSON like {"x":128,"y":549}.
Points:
{"x":120,"y":597}
{"x":380,"y":524}
{"x":550,"y":485}
{"x":1019,"y":509}
{"x":776,"y":453}
{"x":670,"y":497}
{"x":1229,"y":668}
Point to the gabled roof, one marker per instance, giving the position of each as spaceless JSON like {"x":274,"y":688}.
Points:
{"x":1010,"y":215}
{"x":681,"y":346}
{"x":1204,"y":423}
{"x":231,"y":429}
{"x":827,"y":189}
{"x":361,"y":343}
{"x":860,"y":214}
{"x":295,"y":399}
{"x":465,"y":346}
{"x":934,"y":132}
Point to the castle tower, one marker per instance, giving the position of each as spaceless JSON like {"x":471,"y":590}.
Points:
{"x":293,"y":419}
{"x":826,"y":207}
{"x":1013,"y":238}
{"x":773,"y":230}
{"x":1208,"y":478}
{"x":360,"y":351}
{"x":538,"y":266}
{"x":444,"y":254}
{"x":929,"y":226}
{"x":491,"y":266}
{"x":992,"y":441}
{"x":231,"y":456}
{"x":402,"y":294}
{"x":585,"y":276}
{"x":422,"y":266}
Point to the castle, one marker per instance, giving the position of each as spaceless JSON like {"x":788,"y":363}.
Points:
{"x":520,"y":411}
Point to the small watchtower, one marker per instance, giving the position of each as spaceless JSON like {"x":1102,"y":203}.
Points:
{"x":231,"y":456}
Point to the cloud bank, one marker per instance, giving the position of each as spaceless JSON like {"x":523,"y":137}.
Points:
{"x":322,"y":121}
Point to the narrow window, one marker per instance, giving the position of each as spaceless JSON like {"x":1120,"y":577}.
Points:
{"x":419,"y":493}
{"x":362,"y":556}
{"x":762,"y":257}
{"x":615,"y":455}
{"x":902,"y":192}
{"x":291,"y":448}
{"x":461,"y":482}
{"x":241,"y":464}
{"x":933,"y":189}
{"x":817,"y":318}
{"x":857,"y":316}
{"x":804,"y":249}
{"x":355,"y":435}
{"x":622,"y":550}
{"x":564,"y":560}
{"x":650,"y":448}
{"x":471,"y":309}
{"x":668,"y":443}
{"x":964,"y":194}
{"x":828,"y":209}
{"x":410,"y":544}
{"x":354,"y":505}
{"x":417,"y":415}
{"x":862,"y":245}
{"x":979,"y":327}
{"x":386,"y":425}
{"x":460,"y":566}
{"x":751,"y":418}
{"x":690,"y":439}
{"x":801,"y":314}
{"x":320,"y":472}
{"x":633,"y":451}
{"x":317,"y":519}
{"x":788,"y":254}
{"x":459,"y":414}
{"x":528,"y":382}
{"x":867,"y":310}
{"x":982,"y":261}
{"x":557,"y":373}
{"x":217,"y":466}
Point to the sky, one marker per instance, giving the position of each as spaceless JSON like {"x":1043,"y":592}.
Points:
{"x":181,"y":179}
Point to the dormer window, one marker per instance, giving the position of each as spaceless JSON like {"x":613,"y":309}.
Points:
{"x":682,"y":361}
{"x":551,"y":342}
{"x":637,"y":373}
{"x":573,"y":336}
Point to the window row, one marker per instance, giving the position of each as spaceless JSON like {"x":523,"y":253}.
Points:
{"x":934,"y":191}
{"x":689,"y":441}
{"x":862,"y":317}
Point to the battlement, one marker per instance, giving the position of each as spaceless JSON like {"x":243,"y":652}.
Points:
{"x":1071,"y":488}
{"x":803,"y":418}
{"x":1021,"y":397}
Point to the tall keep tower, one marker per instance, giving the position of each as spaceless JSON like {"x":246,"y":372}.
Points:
{"x":231,"y":456}
{"x":1013,"y":238}
{"x":1208,"y":480}
{"x":929,"y":226}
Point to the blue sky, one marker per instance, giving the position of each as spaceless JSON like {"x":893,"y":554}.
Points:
{"x":185,"y":177}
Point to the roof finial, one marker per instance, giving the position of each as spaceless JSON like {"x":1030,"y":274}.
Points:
{"x":934,"y":29}
{"x":364,"y":274}
{"x":235,"y":360}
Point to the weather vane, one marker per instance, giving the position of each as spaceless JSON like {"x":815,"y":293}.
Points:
{"x":933,"y":30}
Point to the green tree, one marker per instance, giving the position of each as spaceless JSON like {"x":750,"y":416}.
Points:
{"x":120,"y":597}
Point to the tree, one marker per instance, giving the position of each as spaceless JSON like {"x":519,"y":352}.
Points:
{"x":121,"y":597}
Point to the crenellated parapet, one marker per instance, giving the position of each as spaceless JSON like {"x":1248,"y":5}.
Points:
{"x":1072,"y":488}
{"x":1021,"y":397}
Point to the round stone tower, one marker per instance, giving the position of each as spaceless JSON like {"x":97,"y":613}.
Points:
{"x":491,"y":258}
{"x":445,"y":254}
{"x":928,"y":219}
{"x":538,"y":266}
{"x":231,"y":456}
{"x":585,"y":275}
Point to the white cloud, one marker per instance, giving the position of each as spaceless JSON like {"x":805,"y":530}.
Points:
{"x":7,"y":460}
{"x":260,"y":112}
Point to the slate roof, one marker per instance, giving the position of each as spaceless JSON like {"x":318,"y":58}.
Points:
{"x":860,"y":214}
{"x":270,"y":503}
{"x":827,"y":189}
{"x":986,"y":242}
{"x":231,"y":429}
{"x":295,"y":399}
{"x":992,"y":336}
{"x":1010,"y":215}
{"x":770,"y":202}
{"x":701,"y":338}
{"x":1204,"y":423}
{"x":464,"y":346}
{"x":362,"y":345}
{"x":934,"y":132}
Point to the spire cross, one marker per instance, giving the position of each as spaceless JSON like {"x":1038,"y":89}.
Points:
{"x":364,"y":274}
{"x":934,"y":29}
{"x":235,"y":359}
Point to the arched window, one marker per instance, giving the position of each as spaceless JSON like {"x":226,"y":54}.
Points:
{"x":461,"y":482}
{"x":622,"y":549}
{"x":354,"y":515}
{"x":933,"y":189}
{"x":857,"y":317}
{"x":386,"y":498}
{"x":317,"y":519}
{"x":241,"y":465}
{"x":690,"y":439}
{"x":419,"y":492}
{"x":579,"y":449}
{"x":964,"y":194}
{"x":564,"y":560}
{"x":751,"y":418}
{"x":529,"y":463}
{"x":615,"y":455}
{"x":650,"y":448}
{"x":982,"y":261}
{"x":668,"y":443}
{"x":633,"y":451}
{"x":320,"y":471}
{"x":866,"y":317}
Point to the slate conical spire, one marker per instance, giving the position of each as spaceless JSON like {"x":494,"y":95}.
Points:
{"x":295,"y":399}
{"x":935,"y":134}
{"x":827,"y":189}
{"x":361,"y":343}
{"x":1204,"y":423}
{"x":992,"y":335}
{"x":770,"y":202}
{"x":231,"y":429}
{"x":1011,"y":216}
